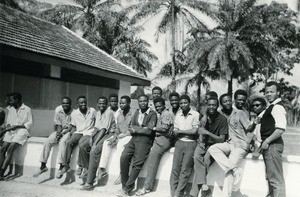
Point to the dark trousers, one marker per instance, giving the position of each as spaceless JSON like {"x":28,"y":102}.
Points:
{"x":84,"y":149}
{"x":137,"y":149}
{"x":274,"y":171}
{"x":160,"y":146}
{"x":202,"y":161}
{"x":95,"y":156}
{"x":182,"y":166}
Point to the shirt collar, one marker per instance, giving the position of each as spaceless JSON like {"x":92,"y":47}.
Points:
{"x":181,"y":112}
{"x":146,"y":112}
{"x":276,"y":101}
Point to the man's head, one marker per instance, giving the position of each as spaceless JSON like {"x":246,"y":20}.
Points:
{"x":82,"y":103}
{"x":125,"y":102}
{"x":113,"y":101}
{"x":156,"y":92}
{"x":240,"y":98}
{"x":258,"y":105}
{"x":143,"y":102}
{"x":102,"y":103}
{"x":174,"y":100}
{"x":226,"y":101}
{"x":212,"y":105}
{"x":184,"y":102}
{"x":15,"y":99}
{"x":272,"y":91}
{"x":66,"y":103}
{"x":159,"y":104}
{"x":210,"y":94}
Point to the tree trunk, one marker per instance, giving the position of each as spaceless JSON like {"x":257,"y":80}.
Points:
{"x":199,"y":82}
{"x":230,"y":86}
{"x":173,"y":86}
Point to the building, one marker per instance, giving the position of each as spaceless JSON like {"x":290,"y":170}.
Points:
{"x":45,"y":62}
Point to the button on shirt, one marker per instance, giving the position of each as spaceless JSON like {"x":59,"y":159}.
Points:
{"x":238,"y":122}
{"x":188,"y":122}
{"x":105,"y":120}
{"x":21,"y":116}
{"x":84,"y":123}
{"x":61,"y":118}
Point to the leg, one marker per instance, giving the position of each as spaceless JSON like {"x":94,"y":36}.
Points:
{"x":125,"y":161}
{"x":176,"y":167}
{"x":3,"y":151}
{"x":106,"y":151}
{"x":70,"y":145}
{"x":273,"y":162}
{"x":187,"y":167}
{"x":219,"y":152}
{"x":200,"y":171}
{"x":160,"y":146}
{"x":62,"y":148}
{"x":142,"y":148}
{"x":84,"y":151}
{"x":11,"y":148}
{"x":51,"y":140}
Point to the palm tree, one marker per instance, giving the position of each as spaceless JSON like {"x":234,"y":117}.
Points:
{"x":174,"y":12}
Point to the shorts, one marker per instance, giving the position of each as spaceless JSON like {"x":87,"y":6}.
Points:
{"x":17,"y":136}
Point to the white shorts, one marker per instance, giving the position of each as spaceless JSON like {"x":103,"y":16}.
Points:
{"x":17,"y":136}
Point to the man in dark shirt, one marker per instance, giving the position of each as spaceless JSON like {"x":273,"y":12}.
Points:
{"x":215,"y":131}
{"x":137,"y":150}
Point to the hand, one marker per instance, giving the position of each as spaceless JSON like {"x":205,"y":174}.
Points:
{"x":58,"y":136}
{"x":265,"y":145}
{"x":122,"y":135}
{"x":175,"y":132}
{"x":201,"y":145}
{"x":203,"y":121}
{"x":91,"y":141}
{"x":257,"y":120}
{"x":205,"y":132}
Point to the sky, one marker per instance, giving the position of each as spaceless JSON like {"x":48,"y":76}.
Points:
{"x":162,"y":50}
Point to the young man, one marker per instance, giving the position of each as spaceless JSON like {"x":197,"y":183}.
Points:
{"x":104,"y":128}
{"x":62,"y":120}
{"x":185,"y":128}
{"x":215,"y":131}
{"x":82,"y":126}
{"x":226,"y":104}
{"x":162,"y":143}
{"x":203,"y":109}
{"x":19,"y":121}
{"x":113,"y":104}
{"x":237,"y":145}
{"x":137,"y":150}
{"x":156,"y":92}
{"x":273,"y":125}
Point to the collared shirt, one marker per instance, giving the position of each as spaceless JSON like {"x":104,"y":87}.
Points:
{"x":21,"y":116}
{"x":188,"y":122}
{"x":84,"y":123}
{"x":165,"y":118}
{"x":142,"y":116}
{"x":105,"y":120}
{"x":61,"y":118}
{"x":123,"y":122}
{"x":217,"y":126}
{"x":279,"y":114}
{"x":116,"y":113}
{"x":238,"y":122}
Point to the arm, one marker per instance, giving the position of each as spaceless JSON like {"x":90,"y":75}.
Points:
{"x":246,"y":123}
{"x":165,"y":123}
{"x":217,"y":138}
{"x":2,"y":117}
{"x":147,"y":129}
{"x":102,"y":133}
{"x":187,"y":132}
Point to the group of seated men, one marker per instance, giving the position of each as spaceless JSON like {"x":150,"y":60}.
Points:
{"x":215,"y":134}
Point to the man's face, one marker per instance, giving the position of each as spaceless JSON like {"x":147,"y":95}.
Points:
{"x":227,"y":102}
{"x":13,"y":101}
{"x":240,"y":101}
{"x":143,"y":102}
{"x":123,"y":104}
{"x":258,"y":107}
{"x":184,"y":104}
{"x":82,"y":104}
{"x":271,"y":93}
{"x":212,"y":106}
{"x":156,"y":94}
{"x":66,"y":104}
{"x":174,"y":101}
{"x":159,"y":107}
{"x":102,"y":104}
{"x":113,"y":102}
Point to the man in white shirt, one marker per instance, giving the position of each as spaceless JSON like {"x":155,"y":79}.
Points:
{"x":19,"y":122}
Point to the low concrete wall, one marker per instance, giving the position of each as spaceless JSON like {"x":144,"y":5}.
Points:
{"x":253,"y":178}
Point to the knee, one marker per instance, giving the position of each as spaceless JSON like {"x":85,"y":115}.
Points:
{"x":10,"y":150}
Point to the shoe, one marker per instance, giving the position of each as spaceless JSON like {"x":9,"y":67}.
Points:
{"x":84,"y":173}
{"x":122,"y":193}
{"x":238,"y":174}
{"x":101,"y":175}
{"x":87,"y":187}
{"x":62,"y":171}
{"x":118,"y":180}
{"x":206,"y":193}
{"x":142,"y":191}
{"x":78,"y":171}
{"x":41,"y":171}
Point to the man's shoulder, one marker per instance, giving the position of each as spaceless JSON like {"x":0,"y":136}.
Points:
{"x":25,"y":107}
{"x":194,"y":112}
{"x":221,"y":117}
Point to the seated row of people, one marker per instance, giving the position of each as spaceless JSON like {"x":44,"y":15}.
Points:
{"x":222,"y":135}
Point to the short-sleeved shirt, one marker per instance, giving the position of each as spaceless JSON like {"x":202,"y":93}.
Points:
{"x":123,"y":122}
{"x":238,"y":122}
{"x":217,"y":126}
{"x":165,"y":118}
{"x":279,"y":115}
{"x":21,"y":116}
{"x":84,"y":123}
{"x":188,"y":122}
{"x":61,"y":117}
{"x":105,"y":120}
